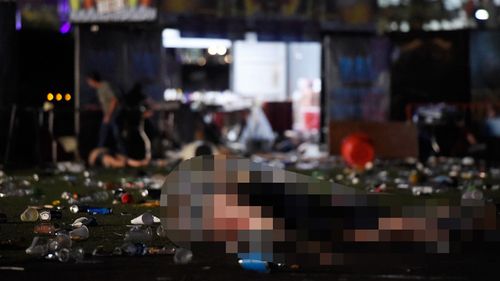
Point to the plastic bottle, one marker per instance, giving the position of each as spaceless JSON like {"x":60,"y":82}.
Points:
{"x":139,"y":235}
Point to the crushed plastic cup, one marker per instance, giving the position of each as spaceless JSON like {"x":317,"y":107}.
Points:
{"x":79,"y":222}
{"x":63,"y":255}
{"x":63,"y":239}
{"x":47,"y":215}
{"x":134,"y":249}
{"x":139,"y":235}
{"x":60,"y":241}
{"x":78,"y":254}
{"x":183,"y":256}
{"x":145,"y":219}
{"x":53,"y":245}
{"x":37,"y":248}
{"x":29,"y":215}
{"x":81,"y":233}
{"x":117,"y":251}
{"x":161,"y":231}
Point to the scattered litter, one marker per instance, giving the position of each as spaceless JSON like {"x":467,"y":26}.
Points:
{"x":81,"y":233}
{"x":12,"y":268}
{"x":145,"y":219}
{"x":138,"y":234}
{"x":161,"y":231}
{"x":29,"y":215}
{"x":45,"y":228}
{"x":255,"y":265}
{"x":183,"y":256}
{"x":131,"y":249}
{"x":79,"y":222}
{"x":48,"y":215}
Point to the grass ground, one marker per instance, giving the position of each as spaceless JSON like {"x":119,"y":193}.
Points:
{"x":15,"y":237}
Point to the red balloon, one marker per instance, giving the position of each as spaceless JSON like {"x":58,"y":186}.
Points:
{"x":357,"y":150}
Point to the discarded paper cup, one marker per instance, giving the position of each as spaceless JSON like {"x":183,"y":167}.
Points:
{"x":144,"y":219}
{"x":80,"y":233}
{"x":48,"y":215}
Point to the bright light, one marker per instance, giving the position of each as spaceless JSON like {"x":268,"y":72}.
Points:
{"x":212,"y":50}
{"x":59,"y":97}
{"x":67,"y":97}
{"x":50,"y":97}
{"x":202,"y":61}
{"x":65,"y":28}
{"x":482,"y":14}
{"x":19,"y":23}
{"x":172,"y":39}
{"x":172,"y":95}
{"x":404,"y":26}
{"x":221,"y":50}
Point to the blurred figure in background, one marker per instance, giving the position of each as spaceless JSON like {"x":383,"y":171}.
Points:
{"x":103,"y":157}
{"x":206,"y":141}
{"x":257,"y":134}
{"x":492,"y":133}
{"x":109,"y":105}
{"x":134,"y":116}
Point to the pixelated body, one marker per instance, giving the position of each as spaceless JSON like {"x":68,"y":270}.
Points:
{"x":269,"y":214}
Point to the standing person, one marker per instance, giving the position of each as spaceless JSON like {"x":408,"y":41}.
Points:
{"x":109,"y":104}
